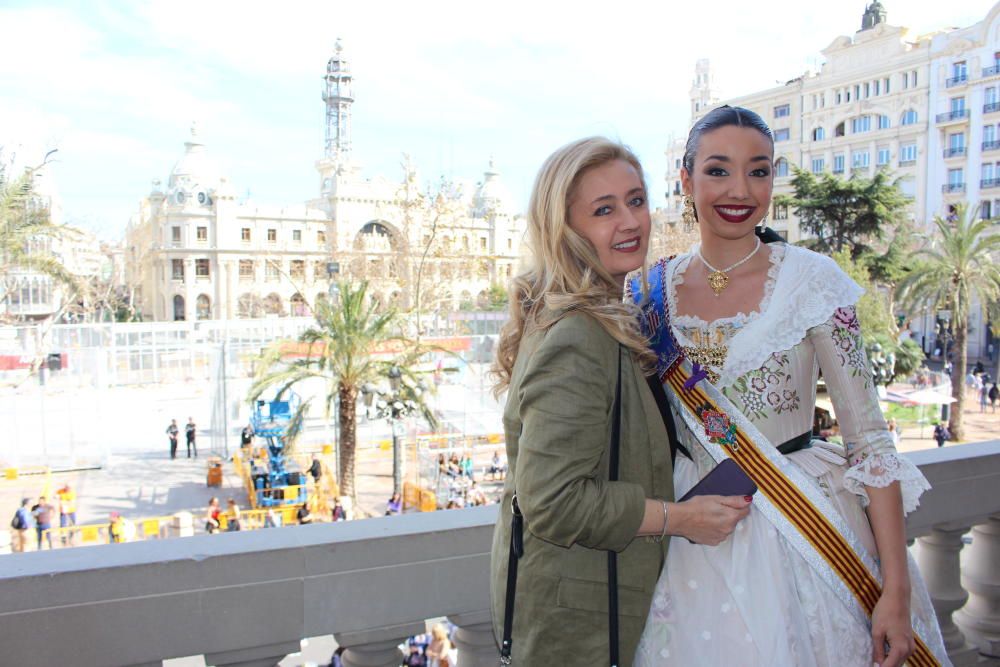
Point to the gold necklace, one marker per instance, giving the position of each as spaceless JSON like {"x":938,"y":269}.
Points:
{"x":717,"y":278}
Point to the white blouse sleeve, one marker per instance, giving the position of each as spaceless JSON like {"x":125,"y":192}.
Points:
{"x":872,"y":458}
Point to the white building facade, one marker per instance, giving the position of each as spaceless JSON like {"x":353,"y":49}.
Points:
{"x":924,"y":107}
{"x":194,"y":252}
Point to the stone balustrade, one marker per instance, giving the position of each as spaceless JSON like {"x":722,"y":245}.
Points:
{"x":248,"y":598}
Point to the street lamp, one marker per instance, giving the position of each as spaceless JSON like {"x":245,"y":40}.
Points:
{"x":393,"y":405}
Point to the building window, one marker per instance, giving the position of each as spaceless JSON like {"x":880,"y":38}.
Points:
{"x":177,"y":269}
{"x":909,"y":117}
{"x":885,"y":85}
{"x":838,"y":97}
{"x":985,"y":210}
{"x":297,"y":268}
{"x":203,"y":307}
{"x":956,"y":177}
{"x":868,"y":90}
{"x":861,"y":124}
{"x":907,"y":153}
{"x":819,"y":134}
{"x":989,"y":134}
{"x":987,"y":171}
{"x":878,"y":87}
{"x":321,"y":237}
{"x":781,"y":167}
{"x":838,"y":163}
{"x":297,"y":235}
{"x":782,"y":111}
{"x":883,"y":122}
{"x":990,"y":96}
{"x":482,"y":244}
{"x":246,"y":269}
{"x":818,"y":164}
{"x":839,"y":130}
{"x":272,"y":235}
{"x":201,"y":268}
{"x":959,"y":71}
{"x":271,"y":271}
{"x":913,"y":78}
{"x":883,"y":157}
{"x":245,"y":234}
{"x":780,"y":212}
{"x":202,"y":234}
{"x":782,"y":135}
{"x":957,"y":104}
{"x":956,"y":142}
{"x":859,"y":159}
{"x":510,"y":245}
{"x":175,"y":235}
{"x":857,"y":91}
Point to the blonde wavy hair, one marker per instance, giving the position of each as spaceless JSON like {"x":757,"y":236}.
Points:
{"x":566,"y":275}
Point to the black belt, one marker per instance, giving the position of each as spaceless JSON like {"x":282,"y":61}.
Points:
{"x":802,"y":441}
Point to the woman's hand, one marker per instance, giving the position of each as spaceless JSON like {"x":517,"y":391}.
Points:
{"x":891,"y":623}
{"x":707,"y":519}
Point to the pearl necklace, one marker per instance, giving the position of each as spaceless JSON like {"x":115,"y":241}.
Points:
{"x":717,"y":279}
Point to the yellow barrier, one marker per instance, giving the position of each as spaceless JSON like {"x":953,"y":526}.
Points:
{"x":10,"y":473}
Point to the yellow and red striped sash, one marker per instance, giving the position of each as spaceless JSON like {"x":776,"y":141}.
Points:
{"x":792,"y":503}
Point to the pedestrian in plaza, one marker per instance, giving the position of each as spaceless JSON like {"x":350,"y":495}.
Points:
{"x":338,"y":513}
{"x":497,"y":469}
{"x":116,"y":528}
{"x":394,"y":506}
{"x":172,"y":432}
{"x":19,"y":525}
{"x":467,"y":465}
{"x":303,"y":515}
{"x":42,"y":512}
{"x":191,"y":432}
{"x":415,"y":658}
{"x":233,"y":516}
{"x":316,"y":469}
{"x":941,"y":434}
{"x":994,"y":396}
{"x":441,"y":652}
{"x":984,"y":395}
{"x":246,"y":436}
{"x":212,"y":516}
{"x":67,"y":511}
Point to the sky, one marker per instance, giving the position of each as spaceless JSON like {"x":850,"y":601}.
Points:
{"x":115,"y":86}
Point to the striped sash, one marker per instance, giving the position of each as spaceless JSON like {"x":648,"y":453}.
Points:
{"x":804,"y":517}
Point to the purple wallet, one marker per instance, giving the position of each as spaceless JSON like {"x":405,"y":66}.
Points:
{"x":726,"y":479}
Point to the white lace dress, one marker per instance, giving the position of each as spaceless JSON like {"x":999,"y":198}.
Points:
{"x":753,"y":600}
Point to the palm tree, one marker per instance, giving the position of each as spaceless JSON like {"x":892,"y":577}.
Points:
{"x":956,"y":269}
{"x":339,"y":352}
{"x":24,"y":225}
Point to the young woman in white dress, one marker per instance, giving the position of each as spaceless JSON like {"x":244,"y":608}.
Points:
{"x":762,"y":321}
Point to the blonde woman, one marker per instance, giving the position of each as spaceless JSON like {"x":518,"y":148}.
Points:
{"x":569,"y":344}
{"x":441,"y":652}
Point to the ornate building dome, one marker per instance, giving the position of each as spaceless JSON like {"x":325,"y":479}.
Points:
{"x":492,"y":196}
{"x":195,"y":177}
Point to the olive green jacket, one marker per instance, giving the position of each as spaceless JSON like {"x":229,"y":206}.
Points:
{"x":558,"y":426}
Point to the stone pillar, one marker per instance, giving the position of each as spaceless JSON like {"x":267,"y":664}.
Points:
{"x":255,"y":656}
{"x":979,"y":619}
{"x":5,"y":541}
{"x":937,"y":554}
{"x":182,"y":525}
{"x":477,"y":647}
{"x":376,"y":648}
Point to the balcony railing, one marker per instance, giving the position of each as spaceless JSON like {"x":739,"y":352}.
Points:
{"x":956,"y":80}
{"x":248,"y":598}
{"x":991,"y":71}
{"x":989,"y":183}
{"x":954,"y":151}
{"x":991,"y":145}
{"x":947,"y":116}
{"x":991,"y":107}
{"x":953,"y":187}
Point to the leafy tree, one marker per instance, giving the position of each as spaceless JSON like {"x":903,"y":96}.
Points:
{"x":842,"y":213}
{"x":340,"y":352}
{"x":24,"y":226}
{"x":957,"y":267}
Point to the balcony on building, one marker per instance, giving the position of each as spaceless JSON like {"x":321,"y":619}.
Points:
{"x":991,"y":107}
{"x":955,"y":151}
{"x":953,"y":188}
{"x":993,"y":70}
{"x":991,"y":145}
{"x":987,"y":183}
{"x":956,"y":116}
{"x":248,"y":598}
{"x":956,"y":81}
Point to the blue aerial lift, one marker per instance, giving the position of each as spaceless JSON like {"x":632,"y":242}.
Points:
{"x":271,"y":421}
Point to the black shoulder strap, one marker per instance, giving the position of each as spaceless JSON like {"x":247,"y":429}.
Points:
{"x":616,"y":433}
{"x":660,"y":394}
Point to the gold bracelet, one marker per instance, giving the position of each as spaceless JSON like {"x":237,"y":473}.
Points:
{"x":663,"y":533}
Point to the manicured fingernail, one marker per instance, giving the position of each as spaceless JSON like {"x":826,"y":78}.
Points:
{"x":748,"y":498}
